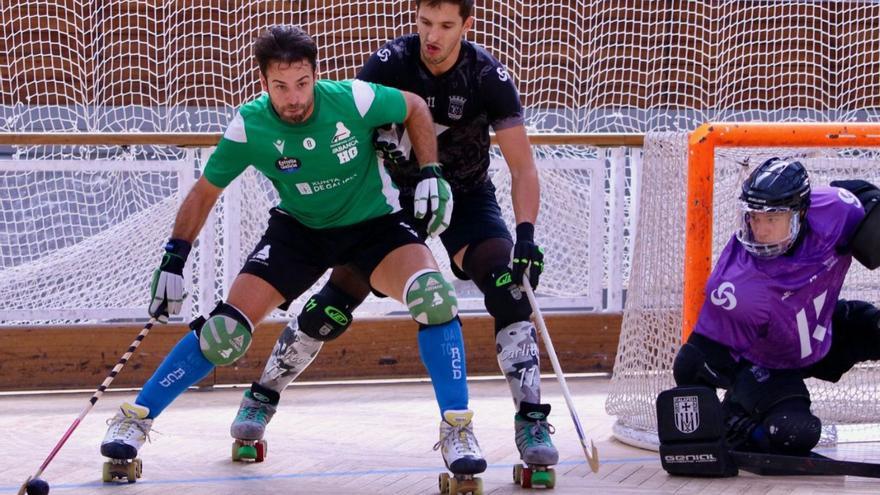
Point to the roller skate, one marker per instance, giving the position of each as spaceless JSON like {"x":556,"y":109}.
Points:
{"x":461,"y":453}
{"x":128,"y":431}
{"x":256,"y":410}
{"x":535,"y":447}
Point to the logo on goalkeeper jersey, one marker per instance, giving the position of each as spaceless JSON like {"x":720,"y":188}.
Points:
{"x":724,"y":296}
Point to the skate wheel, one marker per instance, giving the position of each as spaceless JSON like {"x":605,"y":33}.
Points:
{"x":131,"y":472}
{"x":106,"y":476}
{"x":261,"y":448}
{"x":517,"y":473}
{"x":444,"y":483}
{"x":545,"y":478}
{"x":235,"y":456}
{"x":453,"y":486}
{"x":140,"y":467}
{"x":525,"y":480}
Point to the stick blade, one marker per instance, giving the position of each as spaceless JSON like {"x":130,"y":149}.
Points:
{"x":592,"y":459}
{"x":23,"y":489}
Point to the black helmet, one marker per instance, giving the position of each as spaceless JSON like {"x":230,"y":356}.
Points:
{"x":776,"y":187}
{"x":777,"y":183}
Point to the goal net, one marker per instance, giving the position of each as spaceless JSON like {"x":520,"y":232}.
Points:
{"x":659,"y":308}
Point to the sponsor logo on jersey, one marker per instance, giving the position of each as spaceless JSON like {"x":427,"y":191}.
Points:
{"x":287,"y":164}
{"x":343,"y":144}
{"x":342,"y":133}
{"x":456,"y":107}
{"x":384,"y":54}
{"x":502,"y":74}
{"x":309,"y":143}
{"x":848,"y":197}
{"x":686,"y":410}
{"x":724,"y":296}
{"x":279,"y":145}
{"x":304,"y":188}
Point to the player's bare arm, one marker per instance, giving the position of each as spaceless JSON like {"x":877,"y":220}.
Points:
{"x":525,"y":190}
{"x":195,"y":209}
{"x":420,"y":126}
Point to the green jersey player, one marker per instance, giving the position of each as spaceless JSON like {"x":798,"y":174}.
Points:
{"x":314,"y":141}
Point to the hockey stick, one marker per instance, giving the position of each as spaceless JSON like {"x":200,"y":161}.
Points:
{"x":591,"y":453}
{"x":812,"y":465}
{"x":98,"y":393}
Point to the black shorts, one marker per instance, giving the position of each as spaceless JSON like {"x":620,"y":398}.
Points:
{"x":291,"y":256}
{"x":476,"y":217}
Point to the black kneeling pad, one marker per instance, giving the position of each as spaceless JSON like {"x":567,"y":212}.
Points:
{"x":690,"y":425}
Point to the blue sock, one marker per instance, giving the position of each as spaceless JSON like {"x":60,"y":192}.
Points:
{"x":182,"y":367}
{"x":441,"y":348}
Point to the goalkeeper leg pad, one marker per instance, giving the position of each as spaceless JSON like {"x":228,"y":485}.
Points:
{"x":691,"y":433}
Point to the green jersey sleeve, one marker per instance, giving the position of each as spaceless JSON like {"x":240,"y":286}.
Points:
{"x":230,"y":158}
{"x":388,"y":105}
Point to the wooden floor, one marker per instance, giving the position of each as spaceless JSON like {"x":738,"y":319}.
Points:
{"x":348,"y":439}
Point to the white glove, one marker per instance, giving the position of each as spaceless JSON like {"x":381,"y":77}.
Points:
{"x":433,"y":199}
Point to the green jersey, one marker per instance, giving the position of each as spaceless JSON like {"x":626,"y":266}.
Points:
{"x":325,"y":168}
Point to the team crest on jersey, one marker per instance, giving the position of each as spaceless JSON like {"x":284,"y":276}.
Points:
{"x":287,"y":164}
{"x":686,"y":410}
{"x":456,"y":107}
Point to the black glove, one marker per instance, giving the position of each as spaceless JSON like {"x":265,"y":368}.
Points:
{"x":387,"y":144}
{"x":167,"y":289}
{"x":527,"y":255}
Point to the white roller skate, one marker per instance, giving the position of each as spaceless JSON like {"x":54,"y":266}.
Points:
{"x":128,"y":432}
{"x":535,"y":447}
{"x":461,"y":453}
{"x":249,"y":425}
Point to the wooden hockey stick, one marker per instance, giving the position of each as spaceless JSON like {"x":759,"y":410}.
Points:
{"x":98,"y":393}
{"x":591,"y":453}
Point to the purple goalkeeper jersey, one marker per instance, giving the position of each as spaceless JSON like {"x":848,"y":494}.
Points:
{"x":777,"y":312}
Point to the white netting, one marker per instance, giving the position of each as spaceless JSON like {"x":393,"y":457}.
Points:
{"x":79,"y":238}
{"x":651,"y":331}
{"x":581,"y":66}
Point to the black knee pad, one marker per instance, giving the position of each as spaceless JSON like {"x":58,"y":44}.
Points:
{"x":759,"y":390}
{"x":701,"y":361}
{"x":504,"y":300}
{"x":791,"y":428}
{"x":325,"y":316}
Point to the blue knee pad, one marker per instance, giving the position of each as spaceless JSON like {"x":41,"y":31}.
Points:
{"x":441,"y":348}
{"x":183,"y":367}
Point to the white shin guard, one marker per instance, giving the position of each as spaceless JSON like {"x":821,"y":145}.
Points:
{"x":517,"y":348}
{"x":293,"y":352}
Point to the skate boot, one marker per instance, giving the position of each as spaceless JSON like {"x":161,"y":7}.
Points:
{"x":128,"y":432}
{"x":535,"y":447}
{"x":461,"y":453}
{"x":256,"y":410}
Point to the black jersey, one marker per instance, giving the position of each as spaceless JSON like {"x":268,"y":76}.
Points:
{"x":477,"y":92}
